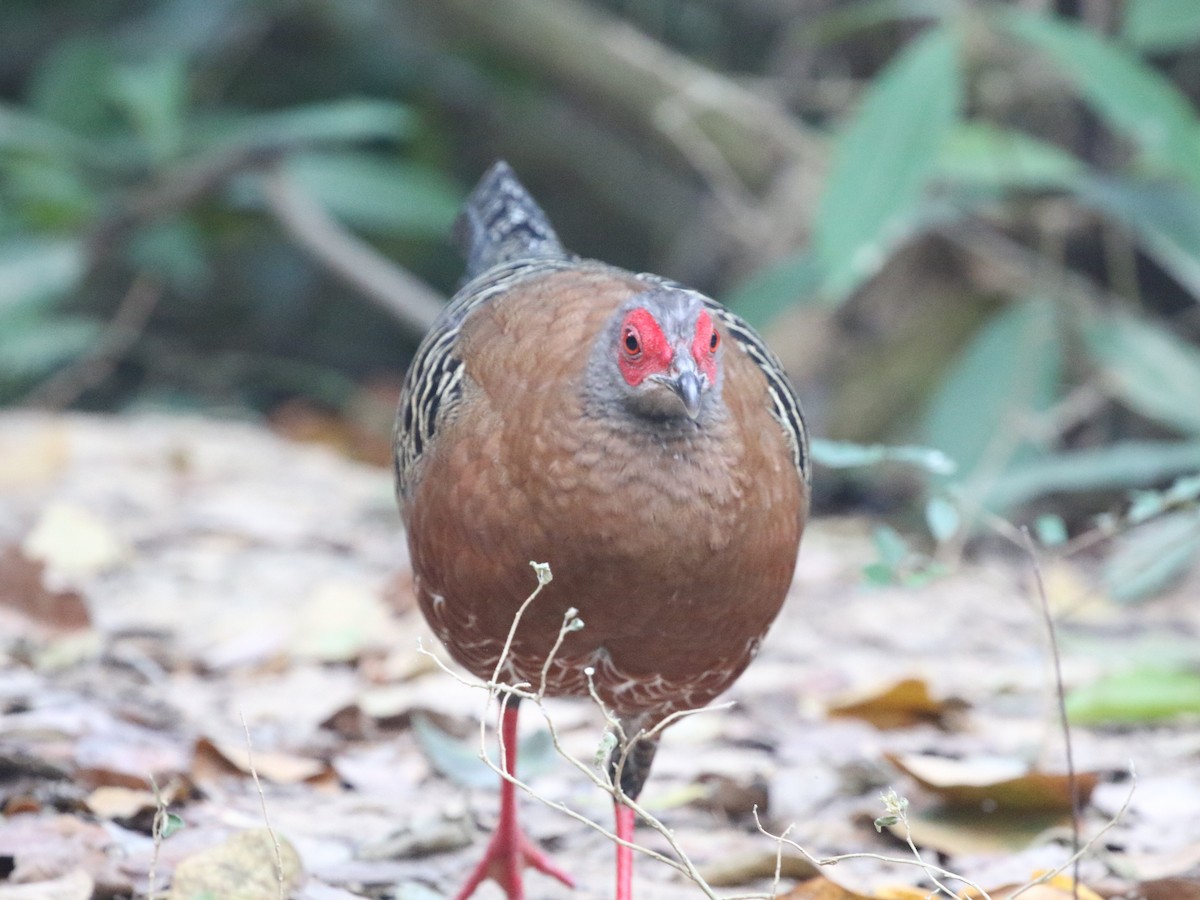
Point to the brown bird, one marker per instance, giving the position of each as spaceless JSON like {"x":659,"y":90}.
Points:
{"x":634,"y":434}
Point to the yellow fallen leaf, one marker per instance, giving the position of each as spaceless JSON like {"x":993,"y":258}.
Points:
{"x":900,"y":892}
{"x":74,"y":541}
{"x":821,"y":888}
{"x":897,"y":705}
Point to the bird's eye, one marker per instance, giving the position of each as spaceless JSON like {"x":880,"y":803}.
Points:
{"x":714,"y":342}
{"x":631,"y":343}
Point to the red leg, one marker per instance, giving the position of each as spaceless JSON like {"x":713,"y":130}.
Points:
{"x":510,"y":850}
{"x":625,"y":819}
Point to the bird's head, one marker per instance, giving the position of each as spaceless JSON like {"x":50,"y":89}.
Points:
{"x":661,"y":355}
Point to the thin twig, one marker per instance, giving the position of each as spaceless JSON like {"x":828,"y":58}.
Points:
{"x":66,"y":385}
{"x":262,"y":799}
{"x":1075,"y":857}
{"x":1060,"y":695}
{"x":402,"y":295}
{"x":157,"y":828}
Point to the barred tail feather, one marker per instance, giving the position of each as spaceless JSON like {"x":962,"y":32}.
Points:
{"x":501,"y":223}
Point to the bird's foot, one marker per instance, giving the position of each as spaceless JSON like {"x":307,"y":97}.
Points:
{"x":508,"y":853}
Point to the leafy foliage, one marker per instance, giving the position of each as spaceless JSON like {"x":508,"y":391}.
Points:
{"x":132,"y":152}
{"x":1041,"y":174}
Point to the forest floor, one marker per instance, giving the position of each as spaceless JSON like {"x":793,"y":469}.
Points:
{"x":186,"y":605}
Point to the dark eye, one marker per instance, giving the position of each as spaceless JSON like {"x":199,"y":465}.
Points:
{"x":714,"y":342}
{"x":633,"y":346}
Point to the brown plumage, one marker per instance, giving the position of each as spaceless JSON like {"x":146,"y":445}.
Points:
{"x":633,"y":434}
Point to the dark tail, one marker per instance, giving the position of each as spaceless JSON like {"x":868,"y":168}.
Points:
{"x":500,"y":222}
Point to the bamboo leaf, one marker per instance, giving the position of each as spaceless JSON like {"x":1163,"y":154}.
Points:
{"x":773,"y":289}
{"x":1164,"y":216}
{"x":847,"y":455}
{"x":1161,"y":24}
{"x":1121,"y":465}
{"x":1139,"y":695}
{"x":1149,"y":368}
{"x":378,"y":194}
{"x":983,"y":155}
{"x":1132,"y":96}
{"x":884,"y":160}
{"x":1152,"y":556}
{"x":34,"y":271}
{"x":1011,"y":367}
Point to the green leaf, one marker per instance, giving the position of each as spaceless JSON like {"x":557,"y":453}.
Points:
{"x":892,"y":548}
{"x":154,"y":96}
{"x":172,"y":824}
{"x":847,"y":455}
{"x":1135,"y":696}
{"x":1161,"y":24}
{"x":24,"y":132}
{"x":35,"y":271}
{"x":884,"y":160}
{"x":1146,"y":505}
{"x":49,"y":194}
{"x":1051,"y":530}
{"x":70,"y":85}
{"x":1009,"y":369}
{"x":771,"y":290}
{"x":1164,"y":216}
{"x":459,"y":760}
{"x":341,"y":121}
{"x":1121,"y":465}
{"x":377,"y":194}
{"x":31,"y":348}
{"x":1149,"y":368}
{"x":1132,"y":96}
{"x":983,"y":155}
{"x":1151,"y":557}
{"x":943,"y":518}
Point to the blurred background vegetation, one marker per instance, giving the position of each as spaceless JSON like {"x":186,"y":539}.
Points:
{"x":970,"y":228}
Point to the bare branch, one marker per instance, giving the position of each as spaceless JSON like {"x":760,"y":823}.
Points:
{"x":66,"y":385}
{"x":402,"y":295}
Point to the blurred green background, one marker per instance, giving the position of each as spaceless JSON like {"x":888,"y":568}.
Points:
{"x":971,"y":229}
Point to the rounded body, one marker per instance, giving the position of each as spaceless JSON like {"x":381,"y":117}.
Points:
{"x":674,"y":539}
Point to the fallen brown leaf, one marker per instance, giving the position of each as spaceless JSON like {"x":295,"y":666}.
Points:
{"x":994,"y":783}
{"x":23,"y":589}
{"x":968,"y":832}
{"x":899,"y":705}
{"x":214,"y":759}
{"x":1167,"y":889}
{"x":736,"y":870}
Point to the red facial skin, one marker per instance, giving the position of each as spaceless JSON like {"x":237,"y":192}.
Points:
{"x":704,"y":346}
{"x":643,"y":349}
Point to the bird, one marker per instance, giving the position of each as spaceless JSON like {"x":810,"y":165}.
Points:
{"x":637,"y":436}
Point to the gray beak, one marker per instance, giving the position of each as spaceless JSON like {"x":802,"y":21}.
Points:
{"x":687,"y":385}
